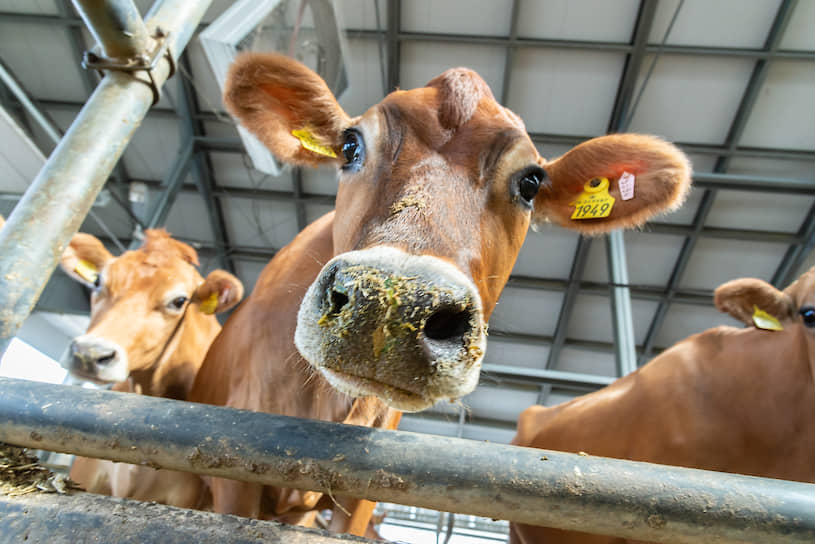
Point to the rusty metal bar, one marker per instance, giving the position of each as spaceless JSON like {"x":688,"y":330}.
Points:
{"x":607,"y":496}
{"x":84,"y":517}
{"x":58,"y":200}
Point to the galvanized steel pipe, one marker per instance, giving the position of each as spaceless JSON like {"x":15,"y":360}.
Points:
{"x":55,"y":204}
{"x":607,"y":496}
{"x":117,"y":27}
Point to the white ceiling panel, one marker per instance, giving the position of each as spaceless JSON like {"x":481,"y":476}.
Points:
{"x":422,"y":61}
{"x":154,"y":149}
{"x":715,"y":261}
{"x":552,"y":151}
{"x":527,"y":311}
{"x":184,"y":218}
{"x":494,"y":403}
{"x":683,"y":320}
{"x":226,"y":127}
{"x":799,"y":33}
{"x":759,"y":211}
{"x":260,"y":223}
{"x":20,"y":159}
{"x":573,"y":359}
{"x":691,"y":99}
{"x":777,"y":119}
{"x":590,"y":319}
{"x":41,"y":7}
{"x":316,"y":211}
{"x":503,"y":352}
{"x":564,"y":91}
{"x":321,"y":181}
{"x":361,"y":14}
{"x":42,"y":59}
{"x":597,"y":261}
{"x":365,"y":75}
{"x":651,"y":257}
{"x":482,"y":17}
{"x":546,"y":253}
{"x":723,"y":23}
{"x":585,"y":20}
{"x":782,"y":168}
{"x":702,"y":163}
{"x":111,"y":215}
{"x":235,"y":170}
{"x":685,"y":214}
{"x":642,"y":312}
{"x":249,"y":271}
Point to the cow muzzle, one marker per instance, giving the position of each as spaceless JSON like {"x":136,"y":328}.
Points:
{"x":406,"y":328}
{"x":96,"y":359}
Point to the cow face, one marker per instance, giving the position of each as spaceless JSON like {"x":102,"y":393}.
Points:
{"x":139,"y":305}
{"x":792,"y":307}
{"x":437,"y":188}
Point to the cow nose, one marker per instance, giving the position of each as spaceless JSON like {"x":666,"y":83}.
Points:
{"x":97,"y":359}
{"x":87,"y":353}
{"x":406,"y":322}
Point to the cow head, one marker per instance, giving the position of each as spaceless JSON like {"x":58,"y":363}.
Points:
{"x":141,"y":325}
{"x":437,"y":188}
{"x":745,"y":297}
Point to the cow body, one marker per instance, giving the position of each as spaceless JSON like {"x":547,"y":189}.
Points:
{"x":387,"y":298}
{"x":151,"y":325}
{"x":727,"y":399}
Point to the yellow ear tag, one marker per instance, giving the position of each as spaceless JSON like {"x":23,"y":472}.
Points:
{"x":209,"y":305}
{"x":307,"y":140}
{"x":594,"y":202}
{"x":86,"y":270}
{"x":765,"y":321}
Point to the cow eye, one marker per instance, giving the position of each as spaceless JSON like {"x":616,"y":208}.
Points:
{"x":808,"y":313}
{"x":97,"y":283}
{"x":177,"y":303}
{"x":352,"y":149}
{"x":529,"y":184}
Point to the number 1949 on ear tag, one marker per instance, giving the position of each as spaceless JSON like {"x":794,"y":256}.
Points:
{"x":594,"y":202}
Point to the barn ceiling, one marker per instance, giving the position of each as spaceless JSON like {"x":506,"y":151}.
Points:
{"x":731,"y":86}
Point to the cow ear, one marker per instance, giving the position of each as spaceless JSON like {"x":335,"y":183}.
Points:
{"x":655,"y":175}
{"x":219,"y":292}
{"x":84,"y":258}
{"x":287,"y":107}
{"x":740,"y":298}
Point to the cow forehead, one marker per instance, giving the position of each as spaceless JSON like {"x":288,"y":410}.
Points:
{"x":425,"y":114}
{"x":802,"y":291}
{"x":149,"y":272}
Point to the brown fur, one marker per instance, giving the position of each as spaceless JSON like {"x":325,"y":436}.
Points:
{"x":425,"y":187}
{"x":738,"y":297}
{"x":160,"y":364}
{"x":739,"y":401}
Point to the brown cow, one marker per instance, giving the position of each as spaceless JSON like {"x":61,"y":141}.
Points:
{"x":151,"y":324}
{"x":727,"y":399}
{"x":437,"y":187}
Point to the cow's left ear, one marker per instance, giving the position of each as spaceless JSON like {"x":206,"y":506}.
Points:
{"x":288,"y":107}
{"x":219,"y":292}
{"x":740,"y":298}
{"x":643,"y":174}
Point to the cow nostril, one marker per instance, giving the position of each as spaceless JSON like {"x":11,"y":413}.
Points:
{"x":337,"y":300}
{"x":106,"y":358}
{"x":447,"y":324}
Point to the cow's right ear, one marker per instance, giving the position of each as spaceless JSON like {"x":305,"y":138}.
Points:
{"x":740,"y":298}
{"x":84,"y":258}
{"x":287,"y":107}
{"x":219,"y":292}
